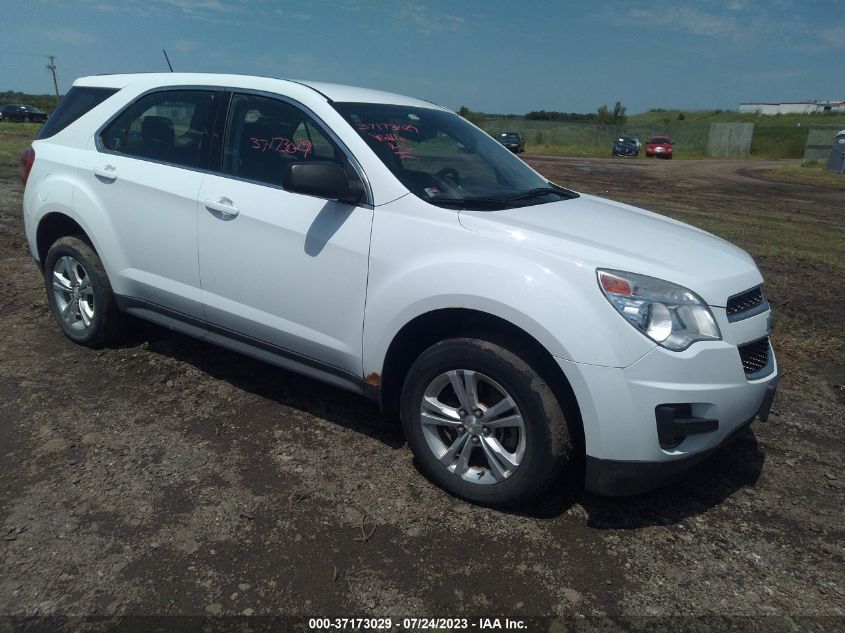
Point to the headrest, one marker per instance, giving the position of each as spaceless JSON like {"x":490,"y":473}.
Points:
{"x":157,"y":129}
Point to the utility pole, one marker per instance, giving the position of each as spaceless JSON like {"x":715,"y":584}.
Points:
{"x":52,"y":68}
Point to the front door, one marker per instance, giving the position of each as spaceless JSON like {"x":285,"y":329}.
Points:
{"x":285,"y":270}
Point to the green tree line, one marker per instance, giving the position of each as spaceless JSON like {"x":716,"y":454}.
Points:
{"x":43,"y":102}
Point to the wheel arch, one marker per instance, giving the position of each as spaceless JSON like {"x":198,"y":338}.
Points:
{"x":55,"y":225}
{"x":431,"y":327}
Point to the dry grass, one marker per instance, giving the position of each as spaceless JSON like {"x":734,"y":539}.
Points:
{"x":812,"y":174}
{"x":14,"y":139}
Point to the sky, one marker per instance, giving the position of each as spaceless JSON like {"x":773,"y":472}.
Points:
{"x":496,"y":56}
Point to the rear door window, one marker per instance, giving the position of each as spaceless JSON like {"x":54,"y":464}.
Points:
{"x":171,"y":126}
{"x":78,"y":101}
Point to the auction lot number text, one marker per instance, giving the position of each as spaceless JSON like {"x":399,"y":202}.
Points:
{"x":415,"y":624}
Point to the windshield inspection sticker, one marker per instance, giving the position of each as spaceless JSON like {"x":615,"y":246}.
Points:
{"x":432,"y":192}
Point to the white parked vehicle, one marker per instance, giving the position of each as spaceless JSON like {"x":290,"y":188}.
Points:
{"x":385,"y":245}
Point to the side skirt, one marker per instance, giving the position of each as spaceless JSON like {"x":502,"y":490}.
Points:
{"x":272,"y":354}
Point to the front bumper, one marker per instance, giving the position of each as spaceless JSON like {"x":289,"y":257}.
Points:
{"x":620,"y":409}
{"x":617,"y":478}
{"x":617,"y":151}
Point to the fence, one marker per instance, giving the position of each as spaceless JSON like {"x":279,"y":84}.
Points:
{"x":730,"y":140}
{"x":819,"y":142}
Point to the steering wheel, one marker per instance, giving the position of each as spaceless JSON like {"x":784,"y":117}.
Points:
{"x":450,"y":176}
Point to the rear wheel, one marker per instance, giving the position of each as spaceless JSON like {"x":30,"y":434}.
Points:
{"x":80,"y":294}
{"x":482,"y":423}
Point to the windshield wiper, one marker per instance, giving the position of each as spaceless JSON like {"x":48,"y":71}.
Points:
{"x":469,"y":202}
{"x":504,"y":202}
{"x":533,"y":193}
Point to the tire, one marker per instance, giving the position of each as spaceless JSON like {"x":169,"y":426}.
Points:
{"x":531,"y":436}
{"x":80,"y":294}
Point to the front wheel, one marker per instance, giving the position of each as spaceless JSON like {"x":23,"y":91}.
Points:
{"x":482,"y":423}
{"x":80,"y":294}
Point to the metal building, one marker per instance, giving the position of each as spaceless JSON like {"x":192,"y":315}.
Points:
{"x":792,"y":107}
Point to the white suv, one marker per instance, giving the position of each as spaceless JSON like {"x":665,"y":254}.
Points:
{"x":385,"y":245}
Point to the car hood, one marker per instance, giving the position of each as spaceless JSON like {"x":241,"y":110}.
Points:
{"x":598,"y":233}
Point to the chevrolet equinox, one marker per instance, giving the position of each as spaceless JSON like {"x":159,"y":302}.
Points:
{"x":385,"y":245}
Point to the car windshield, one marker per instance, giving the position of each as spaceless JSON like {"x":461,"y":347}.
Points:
{"x":446,"y":161}
{"x":510,"y":137}
{"x":626,"y":140}
{"x":32,"y":109}
{"x":658,"y":140}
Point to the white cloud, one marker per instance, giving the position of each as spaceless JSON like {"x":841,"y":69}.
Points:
{"x":688,"y":20}
{"x":295,"y":15}
{"x":348,"y":5}
{"x":745,"y":21}
{"x":426,"y":20}
{"x":834,"y":36}
{"x":202,"y":7}
{"x":209,"y":10}
{"x":68,"y":36}
{"x":185,"y":46}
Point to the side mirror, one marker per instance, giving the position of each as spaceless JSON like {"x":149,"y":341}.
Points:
{"x":323,"y":179}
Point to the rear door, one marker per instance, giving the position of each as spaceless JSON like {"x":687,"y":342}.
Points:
{"x":145,"y":173}
{"x":288,"y":271}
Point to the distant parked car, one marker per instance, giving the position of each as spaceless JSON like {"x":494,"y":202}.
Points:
{"x":23,"y":113}
{"x":659,"y":147}
{"x":513,"y":141}
{"x":626,"y":146}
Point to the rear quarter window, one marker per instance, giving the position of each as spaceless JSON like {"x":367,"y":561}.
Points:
{"x":78,"y":101}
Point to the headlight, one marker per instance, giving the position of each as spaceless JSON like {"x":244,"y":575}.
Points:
{"x":668,"y":314}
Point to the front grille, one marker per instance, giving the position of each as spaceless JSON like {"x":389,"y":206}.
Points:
{"x":754,"y":356}
{"x":747,"y":304}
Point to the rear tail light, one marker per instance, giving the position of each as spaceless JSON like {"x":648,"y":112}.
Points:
{"x":27,"y":160}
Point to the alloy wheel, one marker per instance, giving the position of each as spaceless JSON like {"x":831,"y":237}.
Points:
{"x":73,"y":293}
{"x":473,"y":426}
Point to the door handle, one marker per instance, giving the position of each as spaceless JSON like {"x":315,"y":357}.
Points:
{"x":224,"y":208}
{"x":108,"y":172}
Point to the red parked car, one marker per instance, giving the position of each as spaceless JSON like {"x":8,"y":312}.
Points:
{"x":660,"y":147}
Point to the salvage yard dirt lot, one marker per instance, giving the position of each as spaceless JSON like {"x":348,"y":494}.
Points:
{"x":166,"y":476}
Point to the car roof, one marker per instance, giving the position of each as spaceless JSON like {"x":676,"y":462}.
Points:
{"x":332,"y":92}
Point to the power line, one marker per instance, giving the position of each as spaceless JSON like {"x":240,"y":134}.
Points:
{"x":19,"y":54}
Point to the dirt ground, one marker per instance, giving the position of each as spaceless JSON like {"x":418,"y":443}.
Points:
{"x":166,"y":476}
